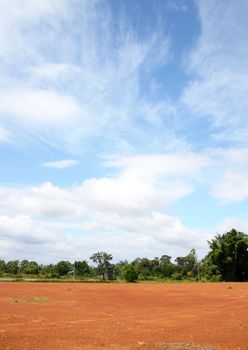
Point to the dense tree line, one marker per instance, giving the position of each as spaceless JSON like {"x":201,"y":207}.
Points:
{"x":227,"y":260}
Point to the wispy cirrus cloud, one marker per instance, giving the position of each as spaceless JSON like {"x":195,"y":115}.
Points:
{"x":60,"y":164}
{"x":219,"y":69}
{"x":4,"y":135}
{"x":76,"y":63}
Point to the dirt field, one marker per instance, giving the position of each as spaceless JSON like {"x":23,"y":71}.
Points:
{"x":124,"y":316}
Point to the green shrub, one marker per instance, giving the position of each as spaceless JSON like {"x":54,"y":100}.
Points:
{"x":129,"y":273}
{"x":176,"y":276}
{"x":215,"y":278}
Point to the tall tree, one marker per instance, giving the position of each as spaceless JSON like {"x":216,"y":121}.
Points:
{"x":229,"y":256}
{"x":166,"y":266}
{"x":102,"y":259}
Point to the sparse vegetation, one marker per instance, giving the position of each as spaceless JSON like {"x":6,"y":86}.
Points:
{"x":30,"y":300}
{"x":184,"y":346}
{"x":39,"y":300}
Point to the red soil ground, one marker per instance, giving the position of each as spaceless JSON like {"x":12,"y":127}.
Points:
{"x":124,"y":316}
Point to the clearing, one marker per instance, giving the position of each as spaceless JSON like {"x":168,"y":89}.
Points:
{"x":176,"y":316}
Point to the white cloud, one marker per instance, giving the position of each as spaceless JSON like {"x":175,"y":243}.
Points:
{"x":22,"y":237}
{"x":61,"y":164}
{"x":233,"y":187}
{"x":44,"y":200}
{"x":90,"y":73}
{"x":128,"y":208}
{"x":143,"y":183}
{"x":52,"y":72}
{"x":219,"y":68}
{"x":229,"y":223}
{"x":39,"y":107}
{"x":229,"y":182}
{"x":16,"y":18}
{"x":4,"y":135}
{"x":155,"y":165}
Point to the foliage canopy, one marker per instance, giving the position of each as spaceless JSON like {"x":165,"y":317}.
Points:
{"x":228,"y":256}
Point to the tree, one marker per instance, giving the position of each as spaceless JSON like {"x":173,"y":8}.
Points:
{"x":2,"y":266}
{"x":228,"y":256}
{"x":12,"y":267}
{"x":82,"y":268}
{"x":63,"y":267}
{"x":144,"y":267}
{"x":48,"y":270}
{"x":23,"y":265}
{"x":102,"y":259}
{"x":188,"y":265}
{"x":166,"y":266}
{"x":32,"y":268}
{"x":29,"y":267}
{"x":129,"y":273}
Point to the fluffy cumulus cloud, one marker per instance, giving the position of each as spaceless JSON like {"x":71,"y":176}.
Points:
{"x":143,"y":184}
{"x":39,"y":107}
{"x":127,"y":208}
{"x":23,"y":237}
{"x":122,"y":212}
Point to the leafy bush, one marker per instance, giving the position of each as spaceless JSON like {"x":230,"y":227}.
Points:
{"x":129,"y":273}
{"x":176,"y":276}
{"x":215,"y":278}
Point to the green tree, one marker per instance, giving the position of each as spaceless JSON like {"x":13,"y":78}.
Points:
{"x":29,"y":267}
{"x":82,"y":268}
{"x":2,"y":266}
{"x":48,"y":270}
{"x":166,"y":266}
{"x":119,"y":266}
{"x":63,"y":267}
{"x":32,"y":268}
{"x":102,"y":259}
{"x":12,"y":267}
{"x":188,"y":265}
{"x":228,"y":256}
{"x":129,"y":273}
{"x":23,"y":265}
{"x":144,"y":267}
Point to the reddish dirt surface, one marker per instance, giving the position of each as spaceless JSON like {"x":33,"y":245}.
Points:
{"x":124,"y":316}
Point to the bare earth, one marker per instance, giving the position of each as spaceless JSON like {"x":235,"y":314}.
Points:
{"x":124,"y":316}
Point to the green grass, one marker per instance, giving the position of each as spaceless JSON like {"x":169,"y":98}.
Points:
{"x":39,"y":300}
{"x":29,"y":300}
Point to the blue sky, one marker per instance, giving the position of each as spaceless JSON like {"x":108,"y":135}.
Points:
{"x":122,"y":126}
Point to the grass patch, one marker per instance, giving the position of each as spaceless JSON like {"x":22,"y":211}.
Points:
{"x":29,"y":300}
{"x":39,"y":300}
{"x":184,"y":346}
